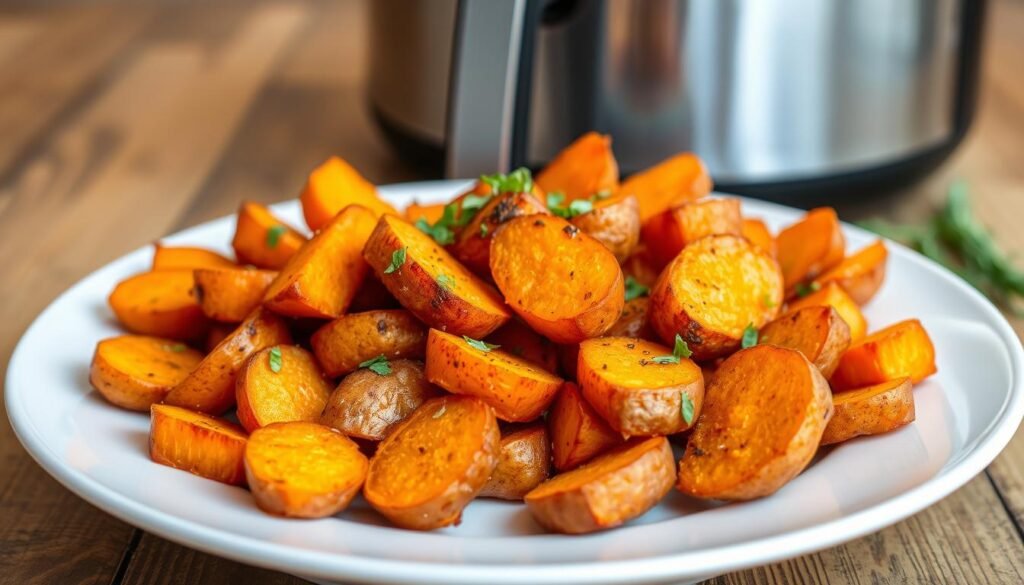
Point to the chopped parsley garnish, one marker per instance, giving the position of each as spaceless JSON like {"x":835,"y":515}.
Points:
{"x":274,"y":235}
{"x":686,"y":407}
{"x":518,"y":181}
{"x":446,"y":282}
{"x":805,"y":288}
{"x":176,"y":347}
{"x":556,"y":205}
{"x":484,"y":229}
{"x":681,"y":350}
{"x":749,"y":337}
{"x":275,"y":359}
{"x":481,"y":345}
{"x":397,"y":260}
{"x":455,"y":215}
{"x":634,"y":289}
{"x":378,"y":365}
{"x":767,"y":301}
{"x":440,"y":232}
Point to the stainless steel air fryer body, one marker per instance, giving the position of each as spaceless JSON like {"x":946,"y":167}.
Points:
{"x":775,"y":95}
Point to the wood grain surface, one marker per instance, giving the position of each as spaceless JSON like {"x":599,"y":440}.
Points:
{"x":122,"y":121}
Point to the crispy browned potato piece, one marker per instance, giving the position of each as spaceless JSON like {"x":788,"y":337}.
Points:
{"x":758,"y":233}
{"x":616,"y":487}
{"x":229,"y":294}
{"x":197,"y":443}
{"x":473,"y":245}
{"x":861,"y":273}
{"x":578,"y":434}
{"x":584,"y":168}
{"x":632,"y":323}
{"x":677,"y":179}
{"x":819,"y":333}
{"x":870,"y":411}
{"x":615,"y":222}
{"x":566,"y":285}
{"x":667,"y":233}
{"x":523,"y":463}
{"x":430,"y":283}
{"x":437,"y":460}
{"x":833,"y":295}
{"x":901,"y":349}
{"x":333,"y":186}
{"x":303,"y":470}
{"x":810,"y":246}
{"x":263,"y":240}
{"x":518,"y":339}
{"x":188,"y":257}
{"x":341,"y":345}
{"x":280,"y":384}
{"x":160,"y":304}
{"x":765,"y":412}
{"x":368,"y":405}
{"x":135,"y":371}
{"x":714,"y":289}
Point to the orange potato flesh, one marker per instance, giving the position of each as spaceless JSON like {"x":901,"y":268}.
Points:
{"x":677,"y":179}
{"x":464,"y":305}
{"x":524,"y":461}
{"x":616,"y":487}
{"x":758,"y":233}
{"x":870,"y":411}
{"x":174,"y":257}
{"x":633,"y":322}
{"x":860,"y":274}
{"x":303,"y":470}
{"x":430,"y":212}
{"x":518,"y":390}
{"x":566,"y":285}
{"x":712,"y":291}
{"x":810,"y":246}
{"x":635,"y":395}
{"x":426,"y":471}
{"x":199,"y":444}
{"x":819,"y":333}
{"x":641,"y":266}
{"x":578,"y":434}
{"x":161,"y":304}
{"x":584,"y":168}
{"x":833,"y":295}
{"x":341,"y":345}
{"x":297,"y":392}
{"x":210,"y":388}
{"x":229,"y":294}
{"x":472,"y":247}
{"x":899,"y":350}
{"x":254,"y":240}
{"x":765,"y":412}
{"x":333,"y":186}
{"x":615,"y":222}
{"x":517,"y":338}
{"x":135,"y":371}
{"x":667,"y":233}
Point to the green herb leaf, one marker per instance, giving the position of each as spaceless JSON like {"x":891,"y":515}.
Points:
{"x":556,"y":205}
{"x":481,"y":345}
{"x":274,"y":235}
{"x":275,"y":359}
{"x":749,"y":337}
{"x":473,"y":202}
{"x":603,"y":194}
{"x":555,"y":199}
{"x":580,"y":206}
{"x":634,"y":289}
{"x":397,"y":260}
{"x":439,"y":232}
{"x":665,"y":359}
{"x":805,"y":288}
{"x":446,"y":282}
{"x":518,"y":181}
{"x":483,"y":229}
{"x":176,"y":347}
{"x":378,"y":365}
{"x":686,"y":407}
{"x":681,"y":349}
{"x":767,"y":301}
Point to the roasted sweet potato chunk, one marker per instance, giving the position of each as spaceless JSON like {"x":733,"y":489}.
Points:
{"x":341,"y":345}
{"x":584,"y":168}
{"x":280,"y":384}
{"x":578,"y":434}
{"x":615,"y":222}
{"x":161,"y":304}
{"x":860,"y":274}
{"x":187,"y":257}
{"x":810,"y":246}
{"x":870,"y":411}
{"x":333,"y":186}
{"x":900,"y":350}
{"x":472,"y":247}
{"x":524,"y":461}
{"x":430,"y":212}
{"x":633,"y":322}
{"x":136,"y":371}
{"x":675,"y":180}
{"x":516,"y":338}
{"x":758,"y":233}
{"x":833,"y":295}
{"x":263,"y":240}
{"x":667,"y":233}
{"x":199,"y":444}
{"x":819,"y":333}
{"x":229,"y":294}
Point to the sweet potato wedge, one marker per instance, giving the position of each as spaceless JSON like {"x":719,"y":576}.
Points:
{"x":623,"y":379}
{"x":322,"y":278}
{"x":218,"y":332}
{"x":333,"y":186}
{"x":262,"y":239}
{"x":900,"y":350}
{"x":584,"y":168}
{"x":229,"y":294}
{"x":714,"y":289}
{"x":197,"y":443}
{"x":765,"y":412}
{"x":161,"y":304}
{"x":368,"y":405}
{"x":429,"y":212}
{"x":136,"y":371}
{"x":566,"y":285}
{"x":810,"y":246}
{"x":675,"y":180}
{"x":524,"y":461}
{"x":187,"y":257}
{"x":430,"y":283}
{"x":280,"y":384}
{"x":578,"y":434}
{"x":667,"y":233}
{"x":758,"y":233}
{"x":819,"y":333}
{"x":615,"y":222}
{"x":860,"y":274}
{"x":341,"y":345}
{"x":870,"y":411}
{"x":833,"y":295}
{"x":472,"y":247}
{"x":303,"y":470}
{"x":437,"y":460}
{"x":210,"y":388}
{"x":517,"y":338}
{"x":615,"y":487}
{"x":518,"y":390}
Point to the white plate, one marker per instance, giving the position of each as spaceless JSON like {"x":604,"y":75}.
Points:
{"x":965,"y":415}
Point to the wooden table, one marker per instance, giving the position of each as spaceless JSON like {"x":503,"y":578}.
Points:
{"x":119,"y":123}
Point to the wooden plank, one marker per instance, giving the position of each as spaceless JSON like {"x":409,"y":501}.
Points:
{"x":159,"y":562}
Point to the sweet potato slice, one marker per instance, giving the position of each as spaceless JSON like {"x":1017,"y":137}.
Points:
{"x":263,"y":240}
{"x":616,"y":487}
{"x":135,"y":371}
{"x":210,"y":388}
{"x":667,"y":233}
{"x":430,"y":212}
{"x":615,"y":222}
{"x":902,"y":349}
{"x":870,"y":411}
{"x":584,"y":168}
{"x":161,"y":304}
{"x":524,"y":461}
{"x":430,"y":283}
{"x":341,"y":345}
{"x":675,"y":180}
{"x":229,"y":294}
{"x":518,"y":390}
{"x":810,"y":246}
{"x":280,"y":384}
{"x":303,"y":470}
{"x":578,"y":434}
{"x":517,"y":338}
{"x":714,"y":289}
{"x":633,"y":322}
{"x":368,"y":405}
{"x":766,"y":410}
{"x":472,"y":247}
{"x":833,"y":295}
{"x":175,"y":257}
{"x":437,"y":460}
{"x":197,"y":443}
{"x":635,"y":390}
{"x":333,"y":186}
{"x":860,"y":274}
{"x":566,"y":285}
{"x":758,"y":233}
{"x":819,"y":333}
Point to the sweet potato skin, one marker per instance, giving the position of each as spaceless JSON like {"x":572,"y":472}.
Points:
{"x":517,"y":338}
{"x":135,"y":371}
{"x":297,"y":392}
{"x":667,"y":233}
{"x":229,"y":294}
{"x":187,"y":257}
{"x":159,"y":304}
{"x":199,"y":444}
{"x":615,"y":222}
{"x":819,"y":333}
{"x":870,"y":411}
{"x":901,"y":349}
{"x":341,"y":345}
{"x":584,"y":168}
{"x":472,"y":247}
{"x":860,"y":274}
{"x":758,"y":233}
{"x":333,"y":186}
{"x":606,"y":492}
{"x":524,"y":461}
{"x":810,"y":246}
{"x":833,"y":295}
{"x":677,"y":179}
{"x":252,"y":241}
{"x":578,"y":433}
